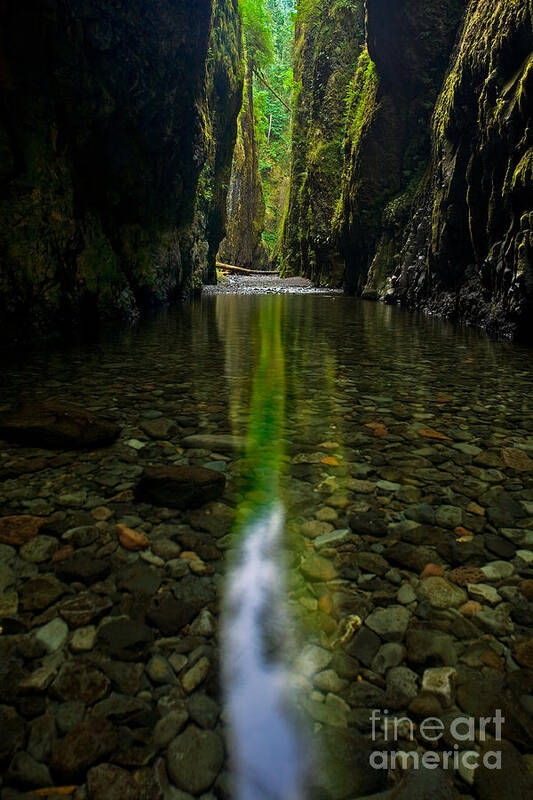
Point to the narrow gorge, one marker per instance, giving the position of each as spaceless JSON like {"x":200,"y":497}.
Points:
{"x":266,"y":417}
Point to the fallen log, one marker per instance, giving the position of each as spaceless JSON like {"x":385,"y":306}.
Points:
{"x":244,"y":270}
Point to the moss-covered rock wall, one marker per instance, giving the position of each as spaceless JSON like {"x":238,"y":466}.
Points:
{"x":388,"y":130}
{"x":434,"y":198}
{"x":329,"y":38}
{"x":243,"y":245}
{"x":110,"y":116}
{"x":469,"y":251}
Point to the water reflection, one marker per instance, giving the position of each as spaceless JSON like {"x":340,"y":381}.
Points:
{"x":268,"y":750}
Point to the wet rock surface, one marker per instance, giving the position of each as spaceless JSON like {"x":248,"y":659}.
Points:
{"x":411,"y":579}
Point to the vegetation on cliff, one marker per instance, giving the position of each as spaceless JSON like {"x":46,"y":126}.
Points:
{"x":329,"y":38}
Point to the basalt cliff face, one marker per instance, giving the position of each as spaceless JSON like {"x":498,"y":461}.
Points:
{"x":329,"y":38}
{"x":117,"y":128}
{"x":243,"y":245}
{"x":435,"y":207}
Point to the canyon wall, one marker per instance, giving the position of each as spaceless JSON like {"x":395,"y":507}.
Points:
{"x":329,"y":38}
{"x":435,"y":207}
{"x":243,"y":245}
{"x":117,"y":128}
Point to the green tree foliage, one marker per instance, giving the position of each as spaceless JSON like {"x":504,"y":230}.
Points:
{"x":257,"y":32}
{"x":268,"y":27}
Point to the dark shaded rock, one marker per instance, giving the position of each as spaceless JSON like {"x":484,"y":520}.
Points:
{"x":346,"y":770}
{"x":364,"y":646}
{"x":484,"y":696}
{"x":512,"y":780}
{"x":84,"y":568}
{"x":170,"y":615}
{"x":126,"y":677}
{"x":120,"y":707}
{"x":108,"y":782}
{"x":25,"y":771}
{"x":40,"y":592}
{"x":55,"y":426}
{"x":126,"y":640}
{"x":203,"y":710}
{"x":139,"y":579}
{"x":368,"y":524}
{"x":13,"y":730}
{"x":194,"y":759}
{"x":409,"y":556}
{"x":78,"y":681}
{"x":424,"y":784}
{"x":200,"y":543}
{"x":84,"y":745}
{"x":430,"y":647}
{"x":179,"y":487}
{"x":84,"y":609}
{"x":42,"y":737}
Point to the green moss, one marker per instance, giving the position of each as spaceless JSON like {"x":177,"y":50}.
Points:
{"x":361,"y":97}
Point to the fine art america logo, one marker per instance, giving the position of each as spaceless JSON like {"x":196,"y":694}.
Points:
{"x":463,"y":731}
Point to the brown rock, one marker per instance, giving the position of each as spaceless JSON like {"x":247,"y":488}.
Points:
{"x":526,"y":587}
{"x":81,"y":682}
{"x":470,"y":608}
{"x":16,"y":531}
{"x":523,"y":653}
{"x":462,"y":576}
{"x":132,"y":540}
{"x":432,"y":571}
{"x":56,"y":426}
{"x":108,"y":782}
{"x":179,"y":487}
{"x":517,"y":459}
{"x":84,"y":745}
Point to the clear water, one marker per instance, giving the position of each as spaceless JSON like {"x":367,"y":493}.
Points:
{"x":326,"y":390}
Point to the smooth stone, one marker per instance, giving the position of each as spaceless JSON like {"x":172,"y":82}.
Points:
{"x":196,"y":675}
{"x":316,"y":568}
{"x":26,"y":771}
{"x":329,"y":681}
{"x":424,"y":645}
{"x":221,"y":443}
{"x":449,"y":516}
{"x":389,"y":655}
{"x":440,"y":593}
{"x":159,"y":428}
{"x":127,"y":640}
{"x":368,"y":524}
{"x":51,"y":425}
{"x":389,"y":623}
{"x":314,"y":528}
{"x":194,"y":760}
{"x":168,"y":727}
{"x":312,"y":659}
{"x":159,"y":670}
{"x":484,"y":593}
{"x":332,"y":538}
{"x":53,"y":635}
{"x":179,"y":487}
{"x":406,"y":594}
{"x":83,"y":639}
{"x":204,"y":711}
{"x":422,"y":513}
{"x":497,"y":570}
